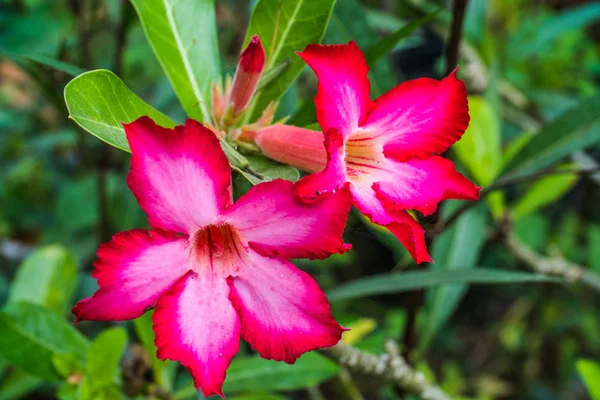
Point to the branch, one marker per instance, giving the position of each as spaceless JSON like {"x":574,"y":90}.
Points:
{"x":507,"y":182}
{"x":391,"y":368}
{"x":555,"y":265}
{"x":458,"y":16}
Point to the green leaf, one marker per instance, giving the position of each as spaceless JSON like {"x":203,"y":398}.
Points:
{"x":249,"y":374}
{"x":270,"y":169}
{"x":183,"y":35}
{"x":387,"y":44}
{"x":31,"y":334}
{"x":552,"y":29}
{"x":46,"y":277}
{"x":285,"y":27}
{"x":100,"y":103}
{"x":545,"y":191}
{"x":594,"y":246}
{"x":479,"y":149}
{"x":18,"y":384}
{"x":590,"y":374}
{"x":46,"y":61}
{"x":457,"y":248}
{"x":103,"y":357}
{"x":573,"y":130}
{"x":396,"y":282}
{"x":163,"y":374}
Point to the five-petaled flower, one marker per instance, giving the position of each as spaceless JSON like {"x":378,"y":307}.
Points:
{"x":384,"y":151}
{"x":214,"y":270}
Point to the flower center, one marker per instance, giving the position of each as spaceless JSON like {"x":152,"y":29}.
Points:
{"x":362,"y":157}
{"x":216,"y":249}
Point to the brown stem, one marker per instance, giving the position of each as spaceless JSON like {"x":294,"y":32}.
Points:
{"x":503,"y":183}
{"x":458,"y":16}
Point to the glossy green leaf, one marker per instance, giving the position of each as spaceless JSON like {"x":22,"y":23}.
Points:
{"x":285,"y":27}
{"x":46,"y":277}
{"x":183,"y":35}
{"x":398,"y":282}
{"x":590,"y":374}
{"x":458,"y":248}
{"x":479,"y":149}
{"x":31,"y":334}
{"x":543,"y":192}
{"x":270,"y":169}
{"x":387,"y":44}
{"x":247,"y":374}
{"x":103,"y":357}
{"x":100,"y":103}
{"x":573,"y":130}
{"x":46,"y":61}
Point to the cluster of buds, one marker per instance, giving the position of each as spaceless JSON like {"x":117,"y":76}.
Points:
{"x":230,"y":102}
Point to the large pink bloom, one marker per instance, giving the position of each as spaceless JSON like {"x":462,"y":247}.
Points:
{"x":212,"y":269}
{"x":383,"y":150}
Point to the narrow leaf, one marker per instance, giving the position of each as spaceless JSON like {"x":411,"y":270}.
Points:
{"x":415,"y":280}
{"x":183,"y":35}
{"x":590,"y":374}
{"x":285,"y":27}
{"x":46,"y":61}
{"x":460,"y":250}
{"x":385,"y":45}
{"x":573,"y":130}
{"x":543,"y":192}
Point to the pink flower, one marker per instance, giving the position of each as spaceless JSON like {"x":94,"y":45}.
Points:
{"x":214,"y":270}
{"x":385,"y":150}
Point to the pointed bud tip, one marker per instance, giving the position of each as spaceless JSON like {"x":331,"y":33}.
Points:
{"x":252,"y":58}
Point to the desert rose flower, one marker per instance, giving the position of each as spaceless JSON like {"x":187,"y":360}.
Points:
{"x":384,"y":151}
{"x":215,"y":270}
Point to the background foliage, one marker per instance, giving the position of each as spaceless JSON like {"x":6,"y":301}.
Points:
{"x":532,"y":70}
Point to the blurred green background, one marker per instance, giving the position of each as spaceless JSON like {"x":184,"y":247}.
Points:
{"x":532,"y":69}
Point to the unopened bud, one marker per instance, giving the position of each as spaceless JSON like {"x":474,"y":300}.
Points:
{"x":298,"y":147}
{"x":247,"y":75}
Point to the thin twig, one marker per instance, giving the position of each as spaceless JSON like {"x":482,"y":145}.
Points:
{"x":555,"y":265}
{"x":391,"y":368}
{"x":503,"y":183}
{"x":458,"y":15}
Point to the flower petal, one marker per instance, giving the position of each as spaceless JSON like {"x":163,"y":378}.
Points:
{"x":417,"y":118}
{"x":133,"y":270}
{"x":333,"y":177}
{"x":180,"y":177}
{"x":400,"y":223}
{"x":298,"y":147}
{"x":421,"y":184}
{"x":196,"y":324}
{"x":343,"y":91}
{"x":274,"y":221}
{"x":283,"y":311}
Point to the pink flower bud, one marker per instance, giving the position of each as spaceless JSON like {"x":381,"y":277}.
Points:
{"x":247,"y":75}
{"x":298,"y":147}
